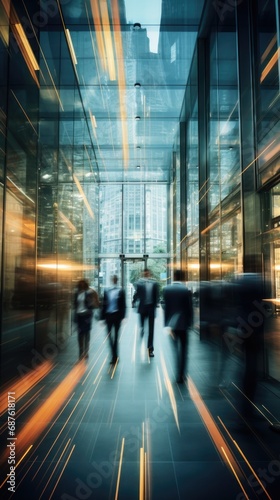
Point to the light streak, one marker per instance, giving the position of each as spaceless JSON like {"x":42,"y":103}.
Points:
{"x":26,"y":383}
{"x":64,"y":467}
{"x":44,"y":414}
{"x":54,"y":469}
{"x":108,"y":39}
{"x":142,"y":475}
{"x":215,"y":434}
{"x":70,"y":45}
{"x":170,"y":391}
{"x":270,"y":65}
{"x":246,"y":460}
{"x":80,"y":189}
{"x":119,"y":470}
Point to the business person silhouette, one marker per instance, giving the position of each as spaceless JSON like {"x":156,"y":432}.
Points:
{"x":147,"y":295}
{"x":178,"y":315}
{"x":113,"y":311}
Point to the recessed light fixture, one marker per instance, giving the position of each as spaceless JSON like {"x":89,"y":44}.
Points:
{"x":138,"y":167}
{"x":137,"y":26}
{"x":137,"y":85}
{"x":138,"y":147}
{"x":137,"y":118}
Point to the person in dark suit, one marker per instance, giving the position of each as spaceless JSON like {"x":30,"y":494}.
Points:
{"x":85,"y":300}
{"x":113,"y":311}
{"x":178,"y":315}
{"x":147,"y":296}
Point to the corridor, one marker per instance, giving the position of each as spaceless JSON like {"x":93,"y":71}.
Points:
{"x":88,"y":431}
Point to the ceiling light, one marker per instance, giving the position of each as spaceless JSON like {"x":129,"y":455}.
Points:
{"x":137,"y":118}
{"x":137,"y":85}
{"x":137,"y":26}
{"x":138,"y":167}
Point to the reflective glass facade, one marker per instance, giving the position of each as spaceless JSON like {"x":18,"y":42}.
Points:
{"x":115,"y":154}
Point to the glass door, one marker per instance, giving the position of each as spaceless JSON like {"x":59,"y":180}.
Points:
{"x":132,"y":270}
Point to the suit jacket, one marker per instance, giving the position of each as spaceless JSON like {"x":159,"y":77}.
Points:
{"x":178,"y":308}
{"x":121,"y":303}
{"x":140,"y":294}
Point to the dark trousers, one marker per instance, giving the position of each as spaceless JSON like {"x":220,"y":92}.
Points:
{"x":180,"y":345}
{"x":84,"y":327}
{"x":113,"y":325}
{"x":148,"y":313}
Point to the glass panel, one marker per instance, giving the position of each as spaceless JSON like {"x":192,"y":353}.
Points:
{"x":215,"y":254}
{"x":156,"y":219}
{"x":19,"y":277}
{"x":111,"y":213}
{"x":268,"y":105}
{"x":134,"y":218}
{"x":231,"y":247}
{"x":275,"y":192}
{"x":224,"y":124}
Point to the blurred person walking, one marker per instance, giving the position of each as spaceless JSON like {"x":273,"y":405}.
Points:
{"x":178,"y":315}
{"x":251,"y":314}
{"x":147,"y":296}
{"x":113,"y":312}
{"x":85,"y":300}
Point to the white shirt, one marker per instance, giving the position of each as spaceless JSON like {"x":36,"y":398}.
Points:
{"x":113,"y":295}
{"x":81,"y":302}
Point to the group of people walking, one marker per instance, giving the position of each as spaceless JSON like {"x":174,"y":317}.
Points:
{"x":246,"y":306}
{"x":177,"y":305}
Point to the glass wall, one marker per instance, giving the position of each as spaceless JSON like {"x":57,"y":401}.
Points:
{"x":223,"y":151}
{"x":268,"y":86}
{"x":133,"y":219}
{"x":49,"y":202}
{"x":133,"y":231}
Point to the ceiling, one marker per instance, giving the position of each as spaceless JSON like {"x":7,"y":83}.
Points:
{"x":131,"y":60}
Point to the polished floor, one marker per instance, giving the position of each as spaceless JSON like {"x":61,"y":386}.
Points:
{"x":87,"y":430}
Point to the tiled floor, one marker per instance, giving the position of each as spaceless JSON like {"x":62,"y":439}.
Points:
{"x":85,"y":431}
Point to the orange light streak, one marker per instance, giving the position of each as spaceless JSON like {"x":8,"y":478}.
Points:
{"x":54,"y":468}
{"x":60,"y":432}
{"x":121,"y":78}
{"x":216,"y":436}
{"x":269,"y":48}
{"x":170,"y":391}
{"x":108,"y":39}
{"x":246,"y":460}
{"x":63,"y":469}
{"x":17,"y":464}
{"x":270,"y":65}
{"x":98,"y":32}
{"x":142,"y":475}
{"x":25,"y":383}
{"x":25,"y":49}
{"x":43,"y":416}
